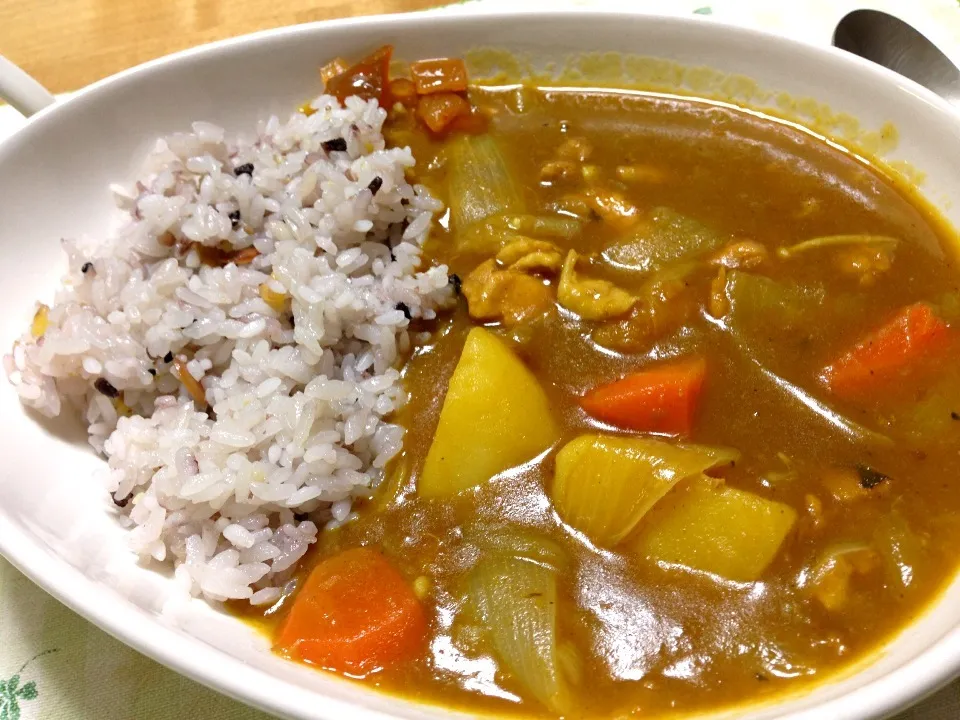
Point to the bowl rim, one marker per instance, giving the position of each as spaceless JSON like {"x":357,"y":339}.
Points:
{"x":903,"y":686}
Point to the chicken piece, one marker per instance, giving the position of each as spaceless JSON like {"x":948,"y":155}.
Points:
{"x":640,"y":174}
{"x":631,"y":335}
{"x":671,"y":300}
{"x":866,"y":263}
{"x":665,"y":303}
{"x":528,"y":255}
{"x":482,"y":290}
{"x":847,"y":485}
{"x":591,"y":299}
{"x":577,"y":149}
{"x":590,"y":173}
{"x":741,"y":255}
{"x":559,"y":171}
{"x":575,"y":205}
{"x":843,"y":484}
{"x":493,"y":293}
{"x":613,"y":208}
{"x":719,"y":303}
{"x":810,"y":206}
{"x":814,"y":509}
{"x":834,"y":575}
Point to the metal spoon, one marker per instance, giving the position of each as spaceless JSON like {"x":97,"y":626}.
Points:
{"x":889,"y":41}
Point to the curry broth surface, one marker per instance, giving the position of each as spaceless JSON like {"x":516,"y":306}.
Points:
{"x":656,"y":641}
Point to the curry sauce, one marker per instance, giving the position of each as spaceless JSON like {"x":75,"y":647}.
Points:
{"x":866,"y":477}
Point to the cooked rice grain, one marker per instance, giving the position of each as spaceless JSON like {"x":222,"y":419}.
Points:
{"x":298,"y":388}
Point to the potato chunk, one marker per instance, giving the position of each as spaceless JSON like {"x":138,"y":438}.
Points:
{"x":495,"y":416}
{"x":717,"y":529}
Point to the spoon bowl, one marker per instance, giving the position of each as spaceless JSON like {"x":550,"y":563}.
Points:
{"x":889,"y":41}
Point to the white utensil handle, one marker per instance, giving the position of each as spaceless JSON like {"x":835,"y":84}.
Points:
{"x":22,"y":91}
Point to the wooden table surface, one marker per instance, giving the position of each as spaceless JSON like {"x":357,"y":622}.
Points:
{"x":67,"y":44}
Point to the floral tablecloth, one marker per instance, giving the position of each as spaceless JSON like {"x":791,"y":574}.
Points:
{"x":56,"y":666}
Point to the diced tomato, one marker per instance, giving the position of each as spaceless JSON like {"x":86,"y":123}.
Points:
{"x":443,"y":75}
{"x":368,"y":79}
{"x":438,"y":111}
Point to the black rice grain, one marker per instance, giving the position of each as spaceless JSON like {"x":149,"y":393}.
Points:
{"x":245,"y":169}
{"x":335,"y":145}
{"x":405,"y":309}
{"x":375,"y":185}
{"x":104,"y":387}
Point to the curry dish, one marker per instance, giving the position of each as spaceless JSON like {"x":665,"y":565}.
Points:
{"x":688,"y":438}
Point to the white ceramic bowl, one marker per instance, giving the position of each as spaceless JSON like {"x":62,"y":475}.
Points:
{"x":55,"y":522}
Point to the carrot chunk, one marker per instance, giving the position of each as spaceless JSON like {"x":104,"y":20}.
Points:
{"x":439,"y":111}
{"x":368,"y":79}
{"x":354,"y":614}
{"x":890,"y":351}
{"x":439,"y":76}
{"x":660,"y":399}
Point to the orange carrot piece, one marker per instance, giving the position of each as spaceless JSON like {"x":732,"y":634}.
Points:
{"x":438,"y":111}
{"x":892,"y":350}
{"x":403,"y":91}
{"x":354,"y":614}
{"x":660,"y":399}
{"x":368,"y":79}
{"x":441,"y":75}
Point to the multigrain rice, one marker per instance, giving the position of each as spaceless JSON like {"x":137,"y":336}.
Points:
{"x":294,"y":353}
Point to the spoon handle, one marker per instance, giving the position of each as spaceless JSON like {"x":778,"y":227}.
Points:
{"x":22,"y":91}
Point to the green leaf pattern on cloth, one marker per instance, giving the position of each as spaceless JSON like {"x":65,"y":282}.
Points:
{"x":12,"y":692}
{"x":91,"y":676}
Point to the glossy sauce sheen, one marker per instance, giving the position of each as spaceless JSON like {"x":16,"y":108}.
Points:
{"x":656,"y":640}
